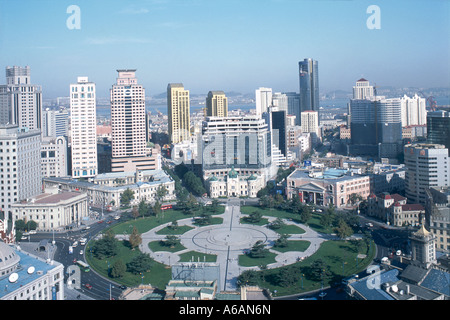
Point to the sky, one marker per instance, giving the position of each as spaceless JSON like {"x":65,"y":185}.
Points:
{"x":229,"y":45}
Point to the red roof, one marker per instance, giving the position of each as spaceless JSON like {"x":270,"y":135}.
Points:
{"x":412,"y":207}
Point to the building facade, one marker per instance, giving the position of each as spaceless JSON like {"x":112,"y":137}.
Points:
{"x":55,"y":123}
{"x":309,"y":84}
{"x":310,"y":124}
{"x":362,"y":89}
{"x":438,"y":127}
{"x":20,"y":101}
{"x":216,"y":104}
{"x":53,"y":210}
{"x":20,"y":165}
{"x":413,"y":111}
{"x":263,"y":100}
{"x":427,"y":165}
{"x":178,"y":110}
{"x":83,"y":119}
{"x":54,"y":157}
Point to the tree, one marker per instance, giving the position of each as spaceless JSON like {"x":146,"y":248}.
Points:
{"x":254,"y":217}
{"x":161,"y":192}
{"x":106,"y":246}
{"x":295,"y":203}
{"x":170,"y":241}
{"x":287,"y":276}
{"x":139,"y":264}
{"x":126,"y":197}
{"x":135,"y":212}
{"x":118,"y":269}
{"x":343,"y":230}
{"x":214,"y":205}
{"x":135,"y":238}
{"x":143,"y":208}
{"x":282,"y":241}
{"x":326,"y":219}
{"x":319,"y":270}
{"x":306,"y":214}
{"x":157,"y":208}
{"x":276,"y":224}
{"x":258,"y":250}
{"x":249,"y":278}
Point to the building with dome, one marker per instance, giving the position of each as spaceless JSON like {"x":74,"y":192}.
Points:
{"x":234,"y":185}
{"x":26,"y":277}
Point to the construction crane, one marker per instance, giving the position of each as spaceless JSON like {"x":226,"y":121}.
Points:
{"x":431,"y":103}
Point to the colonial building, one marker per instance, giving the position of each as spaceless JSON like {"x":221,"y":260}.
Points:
{"x":53,"y":211}
{"x":234,"y":185}
{"x":325,"y":187}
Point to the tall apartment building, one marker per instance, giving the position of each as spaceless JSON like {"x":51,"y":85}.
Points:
{"x":178,"y":110}
{"x":293,"y":101}
{"x":438,"y":127}
{"x":216,"y":104}
{"x":362,"y":89}
{"x":129,"y":145}
{"x":54,"y":157}
{"x":83,"y":128}
{"x":309,"y":84}
{"x":55,"y":123}
{"x":20,"y":101}
{"x":376,"y":127}
{"x":427,"y":165}
{"x":413,"y":110}
{"x":263,"y":100}
{"x":280,"y":100}
{"x":310,"y":123}
{"x":20,"y":165}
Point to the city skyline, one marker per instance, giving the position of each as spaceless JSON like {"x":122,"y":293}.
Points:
{"x":248,"y":44}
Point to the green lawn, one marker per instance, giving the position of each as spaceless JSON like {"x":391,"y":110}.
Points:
{"x":289,"y":229}
{"x":179,"y":230}
{"x":246,"y":261}
{"x":197,"y":256}
{"x":338,"y":256}
{"x":158,"y":276}
{"x":156,"y":246}
{"x":261,"y":222}
{"x":294,"y":245}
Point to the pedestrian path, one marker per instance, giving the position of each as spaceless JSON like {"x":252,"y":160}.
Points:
{"x":228,"y":241}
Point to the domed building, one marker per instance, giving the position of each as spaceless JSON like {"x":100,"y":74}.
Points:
{"x":9,"y":260}
{"x":26,"y":277}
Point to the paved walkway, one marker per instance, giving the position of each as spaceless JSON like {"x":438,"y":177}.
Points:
{"x":229,"y":240}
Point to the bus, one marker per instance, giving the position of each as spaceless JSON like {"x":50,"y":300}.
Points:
{"x":166,"y":206}
{"x":84,"y":266}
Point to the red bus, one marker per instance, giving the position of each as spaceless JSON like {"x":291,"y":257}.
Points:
{"x":166,"y":206}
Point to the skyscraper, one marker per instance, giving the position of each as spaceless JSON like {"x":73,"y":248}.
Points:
{"x":178,"y":110}
{"x":216,"y":104}
{"x":413,"y":111}
{"x":438,"y":127}
{"x":83,"y":128}
{"x":427,"y":165}
{"x":263,"y":100}
{"x":310,"y":124}
{"x":20,"y":101}
{"x":20,"y":162}
{"x":362,"y":89}
{"x":55,"y":123}
{"x":293,"y":100}
{"x":309,"y":84}
{"x":129,"y":145}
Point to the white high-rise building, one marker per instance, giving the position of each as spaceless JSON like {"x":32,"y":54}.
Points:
{"x":129,"y":144}
{"x":54,"y":157}
{"x":427,"y":165}
{"x":413,"y":111}
{"x":83,"y":128}
{"x":20,"y":101}
{"x":362,"y":89}
{"x":280,"y":100}
{"x":55,"y":123}
{"x":263,"y":100}
{"x":310,"y":124}
{"x":20,"y":163}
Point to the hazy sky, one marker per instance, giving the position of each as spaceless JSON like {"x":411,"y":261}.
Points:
{"x":230,"y":45}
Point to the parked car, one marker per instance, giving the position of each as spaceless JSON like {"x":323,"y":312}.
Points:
{"x":87,"y":285}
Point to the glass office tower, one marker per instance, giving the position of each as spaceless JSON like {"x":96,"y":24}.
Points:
{"x":309,"y":84}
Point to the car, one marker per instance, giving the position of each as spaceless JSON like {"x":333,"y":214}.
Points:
{"x":87,"y":285}
{"x":81,"y":251}
{"x":32,"y":232}
{"x":369,"y":225}
{"x":116,"y":217}
{"x":74,"y":261}
{"x":123,"y":287}
{"x":101,"y":221}
{"x":24,"y":238}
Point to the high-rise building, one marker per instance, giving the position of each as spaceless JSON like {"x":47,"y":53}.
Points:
{"x":178,"y":110}
{"x":427,"y":165}
{"x":438,"y":127}
{"x":309,"y":84}
{"x":414,"y":111}
{"x":310,"y":124}
{"x":280,"y":100}
{"x":278,"y":124}
{"x":375,"y":126}
{"x":20,"y":160}
{"x":129,"y":144}
{"x":54,"y":157}
{"x":362,"y":89}
{"x":83,"y":120}
{"x":55,"y":123}
{"x":293,"y":100}
{"x":263,"y":100}
{"x":20,"y":101}
{"x":216,"y":104}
